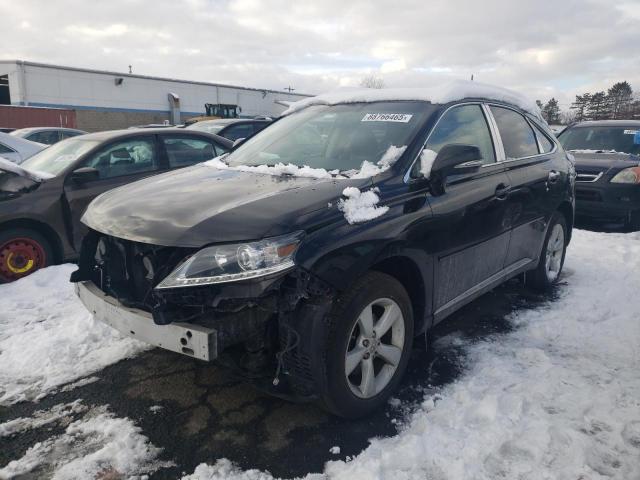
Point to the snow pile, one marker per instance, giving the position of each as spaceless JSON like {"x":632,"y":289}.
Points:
{"x":41,"y":418}
{"x":557,"y":398}
{"x":97,"y":446}
{"x":427,"y":157}
{"x":9,"y":166}
{"x":47,"y":337}
{"x":449,"y":92}
{"x":360,"y":206}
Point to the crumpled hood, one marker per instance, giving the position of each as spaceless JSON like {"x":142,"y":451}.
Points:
{"x":603,"y":162}
{"x":201,"y":205}
{"x":11,"y":167}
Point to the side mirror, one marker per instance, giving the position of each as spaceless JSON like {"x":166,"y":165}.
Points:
{"x":456,"y":155}
{"x":85,"y":174}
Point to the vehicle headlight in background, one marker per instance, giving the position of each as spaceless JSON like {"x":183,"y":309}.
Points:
{"x":233,"y":262}
{"x":628,"y":175}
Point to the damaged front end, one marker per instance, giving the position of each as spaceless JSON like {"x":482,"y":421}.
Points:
{"x":263,"y":326}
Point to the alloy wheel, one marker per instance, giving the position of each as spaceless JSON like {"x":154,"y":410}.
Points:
{"x":555,"y":251}
{"x":375,"y":348}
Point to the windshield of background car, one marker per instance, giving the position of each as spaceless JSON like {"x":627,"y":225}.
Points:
{"x":59,"y":156}
{"x":339,"y":137}
{"x":206,"y":127}
{"x":620,"y":139}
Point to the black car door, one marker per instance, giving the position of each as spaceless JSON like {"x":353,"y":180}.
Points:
{"x":533,"y":183}
{"x":118,"y":163}
{"x":468,"y":235}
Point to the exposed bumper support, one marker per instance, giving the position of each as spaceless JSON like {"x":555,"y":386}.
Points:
{"x":186,"y":338}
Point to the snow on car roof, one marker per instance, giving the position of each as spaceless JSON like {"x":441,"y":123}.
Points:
{"x":449,"y":92}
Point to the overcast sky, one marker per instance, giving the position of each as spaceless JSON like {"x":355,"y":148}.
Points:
{"x":542,"y":48}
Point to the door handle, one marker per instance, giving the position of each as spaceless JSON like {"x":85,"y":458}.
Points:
{"x":553,"y":176}
{"x":502,"y":191}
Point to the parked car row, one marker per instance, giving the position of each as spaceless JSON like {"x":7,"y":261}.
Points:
{"x":315,"y":251}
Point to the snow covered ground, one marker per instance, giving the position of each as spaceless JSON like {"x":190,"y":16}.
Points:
{"x":556,"y":398}
{"x":48,"y":339}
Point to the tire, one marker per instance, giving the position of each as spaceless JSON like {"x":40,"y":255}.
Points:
{"x":22,"y":252}
{"x":349,"y":395}
{"x":545,"y":275}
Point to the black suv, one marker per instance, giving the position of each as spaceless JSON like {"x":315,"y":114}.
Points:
{"x":607,"y":158}
{"x":313,"y":253}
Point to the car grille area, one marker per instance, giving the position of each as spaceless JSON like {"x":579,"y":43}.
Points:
{"x":127,"y":270}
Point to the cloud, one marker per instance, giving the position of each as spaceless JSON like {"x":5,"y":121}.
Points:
{"x":541,"y":47}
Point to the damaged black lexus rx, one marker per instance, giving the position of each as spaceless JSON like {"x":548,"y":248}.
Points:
{"x":313,"y":254}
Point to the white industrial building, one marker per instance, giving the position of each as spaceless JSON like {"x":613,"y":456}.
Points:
{"x":106,"y":100}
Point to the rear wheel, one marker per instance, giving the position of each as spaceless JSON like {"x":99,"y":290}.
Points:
{"x":367,"y":351}
{"x":22,"y":252}
{"x":551,"y":260}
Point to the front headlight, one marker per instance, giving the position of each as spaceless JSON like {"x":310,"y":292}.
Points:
{"x":628,"y":175}
{"x":230,"y":263}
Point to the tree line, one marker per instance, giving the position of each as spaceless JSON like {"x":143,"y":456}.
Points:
{"x":618,"y":102}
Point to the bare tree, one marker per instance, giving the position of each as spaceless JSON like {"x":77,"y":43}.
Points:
{"x":371,"y":81}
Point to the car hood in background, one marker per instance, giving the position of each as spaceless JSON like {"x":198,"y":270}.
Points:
{"x":201,"y":205}
{"x":603,"y":162}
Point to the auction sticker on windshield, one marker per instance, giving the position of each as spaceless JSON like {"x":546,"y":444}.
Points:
{"x":387,"y":117}
{"x":631,"y":132}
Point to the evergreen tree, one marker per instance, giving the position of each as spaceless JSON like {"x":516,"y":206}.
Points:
{"x":620,"y":97}
{"x":580,"y":106}
{"x":598,"y":107}
{"x":551,"y":112}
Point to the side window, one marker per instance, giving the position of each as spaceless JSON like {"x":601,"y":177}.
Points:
{"x":517,"y":136}
{"x":48,"y":137}
{"x":545,"y":143}
{"x":466,"y":125}
{"x":242,"y":130}
{"x":126,"y":157}
{"x":5,"y":149}
{"x":184,"y":151}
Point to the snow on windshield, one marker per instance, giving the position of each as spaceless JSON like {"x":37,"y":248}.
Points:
{"x":456,"y":90}
{"x":366,"y":170}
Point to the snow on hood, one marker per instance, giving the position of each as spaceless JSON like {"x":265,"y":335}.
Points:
{"x":9,"y":166}
{"x":359,"y":207}
{"x":449,"y":92}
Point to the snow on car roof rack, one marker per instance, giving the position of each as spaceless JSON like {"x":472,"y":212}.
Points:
{"x":449,"y":92}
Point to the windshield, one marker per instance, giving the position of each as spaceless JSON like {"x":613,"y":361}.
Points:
{"x":339,"y":137}
{"x":620,"y":139}
{"x":59,"y":156}
{"x":208,"y":127}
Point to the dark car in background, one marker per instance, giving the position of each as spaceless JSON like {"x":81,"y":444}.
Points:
{"x":42,"y":200}
{"x":315,"y":252}
{"x":232,"y":128}
{"x":46,"y":135}
{"x":607,"y":159}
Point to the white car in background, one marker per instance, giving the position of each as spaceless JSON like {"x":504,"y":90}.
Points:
{"x":16,"y":149}
{"x":47,"y":135}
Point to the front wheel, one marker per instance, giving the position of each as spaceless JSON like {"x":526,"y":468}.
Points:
{"x":551,"y":260}
{"x":368,"y":348}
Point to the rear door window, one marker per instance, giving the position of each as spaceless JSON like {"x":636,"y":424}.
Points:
{"x":545,"y":143}
{"x":126,"y":157}
{"x":183,"y":151}
{"x":517,"y":136}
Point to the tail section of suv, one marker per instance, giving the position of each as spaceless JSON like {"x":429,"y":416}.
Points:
{"x":312,"y":254}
